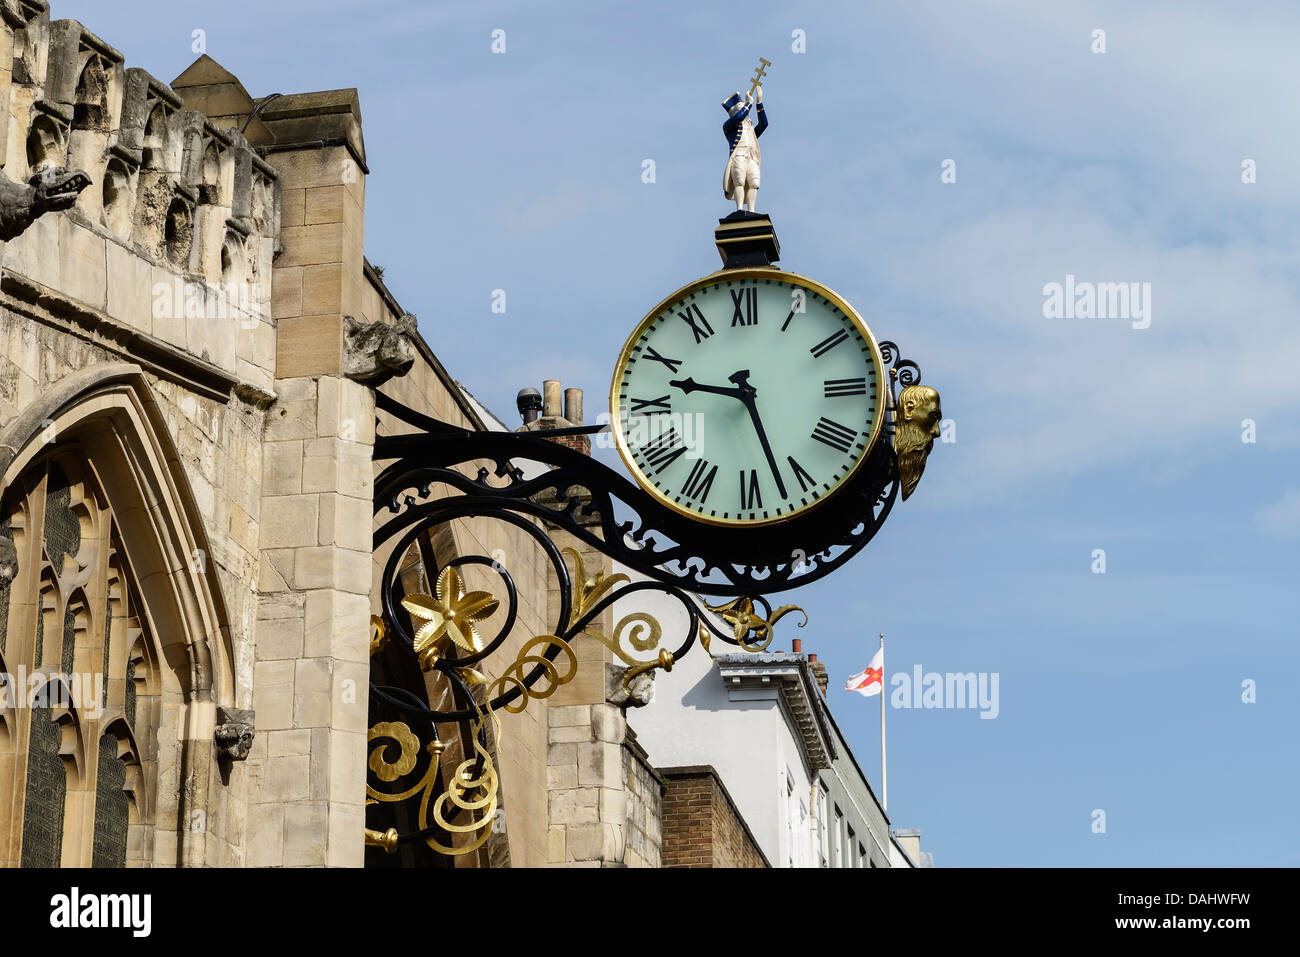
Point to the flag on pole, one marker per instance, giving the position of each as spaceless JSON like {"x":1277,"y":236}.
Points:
{"x":871,"y":681}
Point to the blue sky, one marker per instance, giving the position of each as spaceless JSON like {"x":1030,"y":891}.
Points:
{"x":1119,"y":692}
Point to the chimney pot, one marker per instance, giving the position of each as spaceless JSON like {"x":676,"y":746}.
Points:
{"x":551,"y":407}
{"x":812,"y":657}
{"x":573,"y":406}
{"x":796,"y":644}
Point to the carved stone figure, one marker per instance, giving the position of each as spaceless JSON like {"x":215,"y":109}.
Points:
{"x":375,"y":352}
{"x":234,"y":733}
{"x":741,"y":176}
{"x":49,"y":190}
{"x":627,"y":688}
{"x":917,"y":428}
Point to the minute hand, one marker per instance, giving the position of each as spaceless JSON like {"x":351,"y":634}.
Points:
{"x":748,"y":399}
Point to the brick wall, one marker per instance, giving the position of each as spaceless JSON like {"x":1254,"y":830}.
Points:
{"x":701,"y":826}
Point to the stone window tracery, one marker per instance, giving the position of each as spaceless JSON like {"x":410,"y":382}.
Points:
{"x":81,"y":667}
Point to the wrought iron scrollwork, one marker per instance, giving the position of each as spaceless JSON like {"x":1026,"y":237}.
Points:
{"x":541,"y":665}
{"x":603,"y":510}
{"x":903,"y":371}
{"x":609,"y":512}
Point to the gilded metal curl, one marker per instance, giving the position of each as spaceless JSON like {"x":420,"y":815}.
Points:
{"x":642,"y":629}
{"x":741,"y":616}
{"x":482,"y":786}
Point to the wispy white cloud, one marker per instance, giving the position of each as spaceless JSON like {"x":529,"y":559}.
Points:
{"x":1281,"y":519}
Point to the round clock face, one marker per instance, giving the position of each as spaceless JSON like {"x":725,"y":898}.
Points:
{"x":748,"y":397}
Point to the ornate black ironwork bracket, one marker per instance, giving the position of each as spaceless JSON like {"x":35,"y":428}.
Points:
{"x":481,"y":475}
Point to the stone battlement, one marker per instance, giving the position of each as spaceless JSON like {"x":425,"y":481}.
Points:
{"x":191,"y":196}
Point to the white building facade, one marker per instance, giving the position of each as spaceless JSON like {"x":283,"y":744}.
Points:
{"x":762,"y":723}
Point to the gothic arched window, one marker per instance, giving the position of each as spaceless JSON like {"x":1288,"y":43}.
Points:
{"x":82,"y":726}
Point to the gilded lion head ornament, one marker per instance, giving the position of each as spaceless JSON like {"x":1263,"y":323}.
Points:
{"x":916,"y":428}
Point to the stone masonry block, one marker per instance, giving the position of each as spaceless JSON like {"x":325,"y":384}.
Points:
{"x":608,"y":723}
{"x":337,"y":626}
{"x":600,"y":765}
{"x":346,"y":835}
{"x":577,"y":806}
{"x":313,"y":679}
{"x":570,"y":734}
{"x":305,"y":835}
{"x":282,"y":468}
{"x":569,"y":716}
{"x":287,"y":779}
{"x":273,"y":694}
{"x":279,"y":639}
{"x":346,"y":522}
{"x":351,"y":696}
{"x":289,"y":521}
{"x":562,"y":754}
{"x":562,"y":777}
{"x":265,"y":835}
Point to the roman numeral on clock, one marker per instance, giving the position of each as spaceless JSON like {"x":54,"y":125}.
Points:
{"x":650,"y":406}
{"x":750,"y":496}
{"x":806,"y":481}
{"x":664,"y":450}
{"x":744,"y":307}
{"x":695,"y":319}
{"x":829,"y":343}
{"x":672,"y":364}
{"x":838,"y":387}
{"x":830,"y":432}
{"x":698,"y":482}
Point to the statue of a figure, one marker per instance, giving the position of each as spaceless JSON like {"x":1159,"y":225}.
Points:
{"x":740,"y":179}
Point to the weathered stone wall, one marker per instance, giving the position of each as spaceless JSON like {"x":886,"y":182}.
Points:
{"x":220,"y":451}
{"x":645,"y":793}
{"x":604,"y":797}
{"x":224,"y":264}
{"x":587,"y":797}
{"x":165,"y":262}
{"x":311,"y":674}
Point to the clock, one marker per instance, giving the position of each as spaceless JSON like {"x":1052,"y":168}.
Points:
{"x":748,"y":397}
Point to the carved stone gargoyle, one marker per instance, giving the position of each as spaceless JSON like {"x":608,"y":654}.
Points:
{"x":234,"y":733}
{"x":374,"y":352}
{"x":49,"y":190}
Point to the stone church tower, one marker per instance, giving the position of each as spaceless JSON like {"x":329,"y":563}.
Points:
{"x":191,"y":344}
{"x":190,"y":339}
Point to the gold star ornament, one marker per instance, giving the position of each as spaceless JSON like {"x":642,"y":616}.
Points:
{"x":449,"y":617}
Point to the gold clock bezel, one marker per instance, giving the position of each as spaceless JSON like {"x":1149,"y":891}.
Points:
{"x":749,"y":272}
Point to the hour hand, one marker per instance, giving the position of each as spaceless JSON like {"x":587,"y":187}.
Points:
{"x":690,"y":385}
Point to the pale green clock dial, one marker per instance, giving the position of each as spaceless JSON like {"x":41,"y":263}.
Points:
{"x":748,"y":397}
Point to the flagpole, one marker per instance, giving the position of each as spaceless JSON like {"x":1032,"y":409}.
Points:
{"x":884,"y":781}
